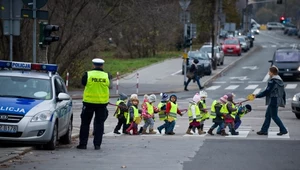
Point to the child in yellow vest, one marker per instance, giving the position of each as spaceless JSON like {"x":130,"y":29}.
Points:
{"x":203,"y":111}
{"x":121,"y":114}
{"x":148,"y":114}
{"x":172,"y":111}
{"x":162,"y":112}
{"x":194,"y":115}
{"x":134,"y":118}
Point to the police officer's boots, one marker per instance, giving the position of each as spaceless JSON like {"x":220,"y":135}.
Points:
{"x":189,"y":131}
{"x":210,"y":131}
{"x":151,"y":131}
{"x":223,"y":133}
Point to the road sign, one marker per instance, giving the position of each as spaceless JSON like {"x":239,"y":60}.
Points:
{"x":16,"y":9}
{"x":40,"y":14}
{"x":39,"y":3}
{"x":185,"y":17}
{"x":185,"y":56}
{"x":184,"y":4}
{"x":15,"y":27}
{"x":229,"y":27}
{"x":193,"y":31}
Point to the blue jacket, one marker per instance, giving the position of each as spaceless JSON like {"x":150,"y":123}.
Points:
{"x":274,"y":93}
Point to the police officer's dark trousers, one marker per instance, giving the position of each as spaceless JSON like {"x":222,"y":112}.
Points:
{"x":101,"y":114}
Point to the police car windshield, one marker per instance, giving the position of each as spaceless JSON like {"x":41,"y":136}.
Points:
{"x":198,"y":55}
{"x":24,"y":87}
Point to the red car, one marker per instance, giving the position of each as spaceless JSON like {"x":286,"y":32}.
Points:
{"x":232,"y":46}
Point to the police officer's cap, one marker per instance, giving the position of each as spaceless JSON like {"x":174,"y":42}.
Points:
{"x":98,"y":61}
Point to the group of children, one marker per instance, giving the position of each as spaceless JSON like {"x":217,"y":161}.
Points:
{"x":223,"y":112}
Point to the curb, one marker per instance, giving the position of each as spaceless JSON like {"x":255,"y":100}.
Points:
{"x":207,"y":82}
{"x":24,"y":150}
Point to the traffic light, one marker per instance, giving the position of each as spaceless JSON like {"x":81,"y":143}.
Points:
{"x":279,"y":1}
{"x":282,"y":20}
{"x":187,"y":42}
{"x":45,"y":34}
{"x":188,"y":31}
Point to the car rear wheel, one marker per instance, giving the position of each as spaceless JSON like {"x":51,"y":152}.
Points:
{"x":53,"y":142}
{"x":297,"y":116}
{"x":222,"y":63}
{"x":67,"y":138}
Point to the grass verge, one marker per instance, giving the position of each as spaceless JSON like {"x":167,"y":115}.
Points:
{"x":114,"y":65}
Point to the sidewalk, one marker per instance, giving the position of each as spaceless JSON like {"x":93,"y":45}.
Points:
{"x":155,"y":79}
{"x":163,"y":77}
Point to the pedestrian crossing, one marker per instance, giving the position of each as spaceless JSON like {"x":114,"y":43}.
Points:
{"x":244,"y":132}
{"x":240,"y":86}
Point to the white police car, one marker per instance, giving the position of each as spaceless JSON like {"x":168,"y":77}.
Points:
{"x":34,"y":105}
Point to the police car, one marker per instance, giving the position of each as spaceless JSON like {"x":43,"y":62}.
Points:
{"x":35,"y":106}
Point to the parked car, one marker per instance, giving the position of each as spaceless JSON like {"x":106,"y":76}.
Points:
{"x":292,"y":31}
{"x":35,"y":105}
{"x":217,"y":50}
{"x":287,"y":26}
{"x":232,"y":46}
{"x":296,"y":105}
{"x":223,"y":34}
{"x":287,"y":60}
{"x":245,"y":43}
{"x":275,"y":25}
{"x":204,"y":65}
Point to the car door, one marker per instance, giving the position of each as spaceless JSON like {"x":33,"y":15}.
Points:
{"x":60,"y":107}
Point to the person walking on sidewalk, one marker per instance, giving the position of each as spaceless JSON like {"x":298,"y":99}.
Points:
{"x":194,"y":75}
{"x":275,"y":97}
{"x":95,"y":99}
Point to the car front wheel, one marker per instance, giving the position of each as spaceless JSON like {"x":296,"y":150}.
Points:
{"x":297,"y":116}
{"x":53,"y":142}
{"x":67,"y":138}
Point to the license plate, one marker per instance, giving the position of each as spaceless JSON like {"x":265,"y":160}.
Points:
{"x":8,"y":128}
{"x":229,"y":50}
{"x":287,"y":74}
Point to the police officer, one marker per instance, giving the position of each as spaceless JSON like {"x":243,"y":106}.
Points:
{"x":95,"y":99}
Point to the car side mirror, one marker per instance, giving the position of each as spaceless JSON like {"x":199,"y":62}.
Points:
{"x":270,"y":61}
{"x":63,"y":96}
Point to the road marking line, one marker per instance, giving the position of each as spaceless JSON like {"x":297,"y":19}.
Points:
{"x":274,"y":135}
{"x":273,"y":46}
{"x":266,"y":78}
{"x":242,"y":134}
{"x":232,"y":87}
{"x":264,"y":46}
{"x":220,"y":82}
{"x":213,"y":87}
{"x":236,"y":82}
{"x":254,"y":82}
{"x":291,"y":86}
{"x":251,"y":87}
{"x":256,"y":91}
{"x":176,"y":72}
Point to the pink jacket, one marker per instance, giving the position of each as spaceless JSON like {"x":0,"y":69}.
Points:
{"x":145,"y":114}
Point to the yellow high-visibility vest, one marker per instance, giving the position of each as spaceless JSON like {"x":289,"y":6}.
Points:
{"x":96,"y":90}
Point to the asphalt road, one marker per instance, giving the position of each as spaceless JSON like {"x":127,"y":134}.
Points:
{"x":182,"y":151}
